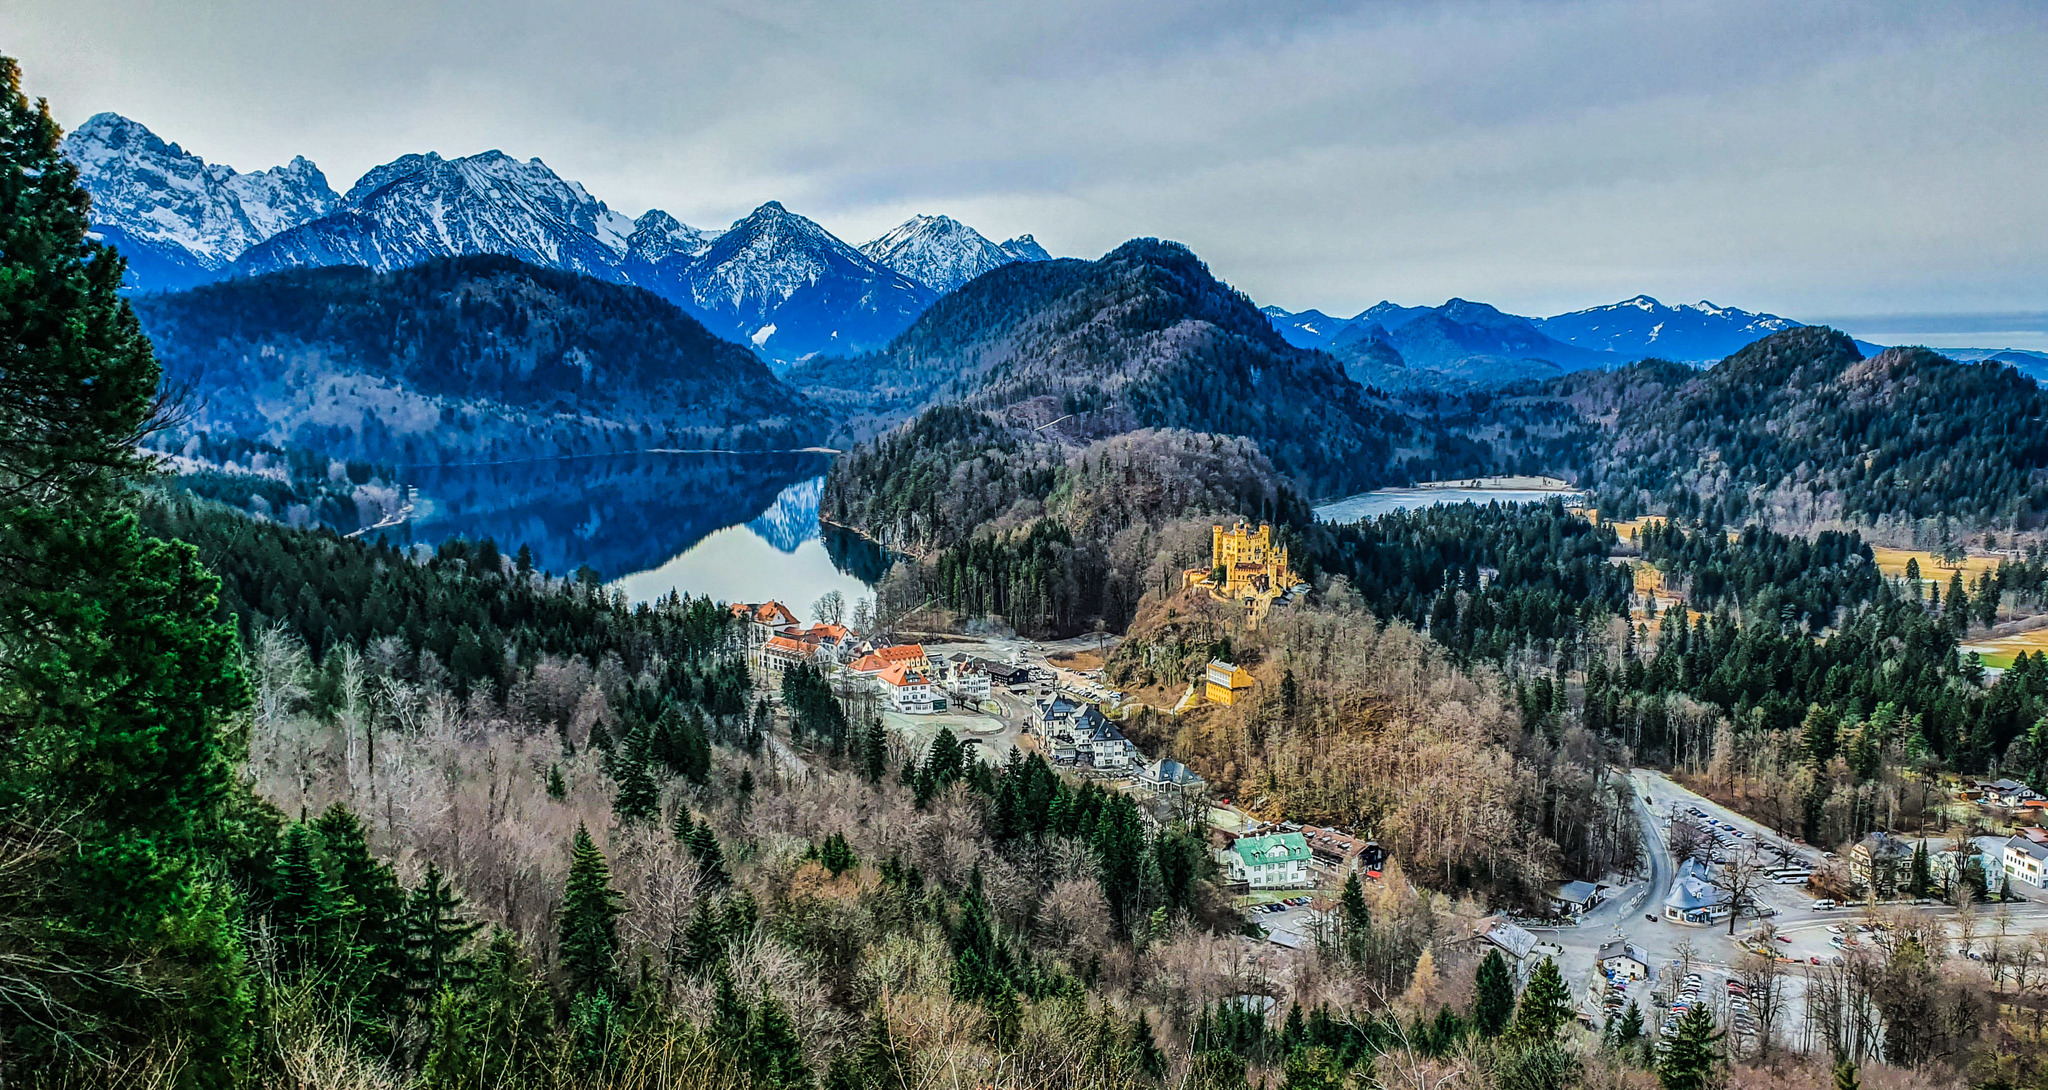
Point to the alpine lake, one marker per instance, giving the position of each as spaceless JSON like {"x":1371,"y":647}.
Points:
{"x":739,"y":527}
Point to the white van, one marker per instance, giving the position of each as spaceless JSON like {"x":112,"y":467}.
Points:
{"x":1824,"y":903}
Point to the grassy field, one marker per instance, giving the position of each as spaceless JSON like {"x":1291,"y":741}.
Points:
{"x":1892,"y":562}
{"x":2000,"y":652}
{"x":1078,"y":661}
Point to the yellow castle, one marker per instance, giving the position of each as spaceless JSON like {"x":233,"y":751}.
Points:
{"x":1245,"y":567}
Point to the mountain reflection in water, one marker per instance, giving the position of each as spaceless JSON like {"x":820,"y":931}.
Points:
{"x":739,"y":527}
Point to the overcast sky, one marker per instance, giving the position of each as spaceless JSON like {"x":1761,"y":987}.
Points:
{"x":1812,"y":159}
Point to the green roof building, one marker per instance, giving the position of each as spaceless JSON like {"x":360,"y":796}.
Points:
{"x":1276,"y":861}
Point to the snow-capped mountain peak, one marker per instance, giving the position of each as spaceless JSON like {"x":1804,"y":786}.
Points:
{"x":937,"y":251}
{"x":1640,"y":327}
{"x":1026,"y":248}
{"x":790,"y":287}
{"x":658,"y":236}
{"x":423,"y":206}
{"x":178,"y":218}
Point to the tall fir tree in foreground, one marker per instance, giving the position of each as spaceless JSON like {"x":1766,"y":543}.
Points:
{"x":1692,"y":1053}
{"x":590,"y":919}
{"x":1545,"y":1007}
{"x":1493,"y":996}
{"x":116,"y":682}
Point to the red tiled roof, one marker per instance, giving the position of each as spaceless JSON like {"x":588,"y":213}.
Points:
{"x":900,"y":675}
{"x":769,"y":613}
{"x":784,"y":643}
{"x":869,"y":664}
{"x":902,"y":652}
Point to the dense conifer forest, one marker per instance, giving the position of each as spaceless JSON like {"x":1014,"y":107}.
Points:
{"x":1799,"y":429}
{"x":465,"y":359}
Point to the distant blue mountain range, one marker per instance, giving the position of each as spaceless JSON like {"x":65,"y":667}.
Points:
{"x":1464,"y":343}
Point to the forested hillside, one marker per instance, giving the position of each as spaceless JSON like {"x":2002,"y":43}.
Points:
{"x":1143,"y":338}
{"x":1798,"y":429}
{"x":462,"y":359}
{"x":1051,"y":537}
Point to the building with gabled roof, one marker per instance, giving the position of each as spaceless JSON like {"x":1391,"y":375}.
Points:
{"x":1167,"y":774}
{"x":1509,"y":937}
{"x":1100,"y":744}
{"x":760,"y":621}
{"x":1622,"y":958}
{"x":1273,"y":861}
{"x":909,"y":690}
{"x":780,"y":653}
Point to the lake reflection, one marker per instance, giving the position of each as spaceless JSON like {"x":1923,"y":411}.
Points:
{"x":739,"y":527}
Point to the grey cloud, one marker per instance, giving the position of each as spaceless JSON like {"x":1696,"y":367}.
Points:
{"x":1808,"y":158}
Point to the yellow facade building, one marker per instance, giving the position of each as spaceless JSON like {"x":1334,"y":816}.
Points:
{"x":1224,"y":681}
{"x":1245,"y":567}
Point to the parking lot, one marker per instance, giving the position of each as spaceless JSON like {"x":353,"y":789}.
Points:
{"x":1289,"y":921}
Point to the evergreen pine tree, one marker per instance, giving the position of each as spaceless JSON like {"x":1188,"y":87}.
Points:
{"x":434,"y":935}
{"x":683,"y":826}
{"x":1628,"y":1029}
{"x":703,"y":945}
{"x":118,"y":683}
{"x":371,"y":907}
{"x":710,"y":857}
{"x":874,"y":1055}
{"x":558,"y":789}
{"x":590,"y":913}
{"x":452,"y":1061}
{"x":305,"y":909}
{"x":837,"y":855}
{"x":1292,"y":1034}
{"x":982,"y":965}
{"x":509,"y":1009}
{"x":1846,"y":1076}
{"x":746,"y":790}
{"x":1921,"y":878}
{"x":1354,"y":919}
{"x":1690,"y":1054}
{"x":775,"y":1054}
{"x":874,"y":750}
{"x":1493,"y":996}
{"x":1448,"y":1027}
{"x":739,"y":915}
{"x":1313,"y":1068}
{"x":1151,"y":1060}
{"x":639,"y":799}
{"x":1545,"y":1007}
{"x":730,"y":1016}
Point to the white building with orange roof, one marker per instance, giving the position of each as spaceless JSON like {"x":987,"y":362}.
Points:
{"x":910,"y":690}
{"x":781,"y":653}
{"x":762,"y":621}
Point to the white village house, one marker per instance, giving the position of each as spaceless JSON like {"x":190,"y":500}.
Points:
{"x":1276,"y":861}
